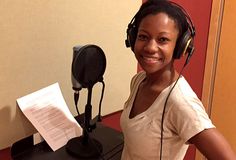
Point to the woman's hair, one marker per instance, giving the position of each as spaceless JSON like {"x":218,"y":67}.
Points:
{"x":153,"y":7}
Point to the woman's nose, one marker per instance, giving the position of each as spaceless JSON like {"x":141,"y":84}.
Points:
{"x":151,"y":46}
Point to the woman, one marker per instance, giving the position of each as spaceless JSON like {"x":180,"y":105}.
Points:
{"x":163,"y":115}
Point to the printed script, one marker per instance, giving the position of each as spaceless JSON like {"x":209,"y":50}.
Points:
{"x":47,"y":110}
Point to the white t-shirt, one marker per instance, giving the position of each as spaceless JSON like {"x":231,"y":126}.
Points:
{"x":185,"y":116}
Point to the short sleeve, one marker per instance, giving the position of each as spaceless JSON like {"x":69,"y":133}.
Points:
{"x":187,"y":115}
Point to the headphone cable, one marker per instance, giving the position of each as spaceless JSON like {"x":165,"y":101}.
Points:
{"x":164,"y":109}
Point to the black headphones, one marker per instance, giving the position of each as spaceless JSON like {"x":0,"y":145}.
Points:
{"x":184,"y":44}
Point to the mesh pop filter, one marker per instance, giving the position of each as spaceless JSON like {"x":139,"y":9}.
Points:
{"x":88,"y":65}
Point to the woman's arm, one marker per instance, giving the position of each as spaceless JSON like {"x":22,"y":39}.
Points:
{"x":213,"y":145}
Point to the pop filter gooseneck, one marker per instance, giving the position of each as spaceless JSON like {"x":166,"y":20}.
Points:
{"x":88,"y":67}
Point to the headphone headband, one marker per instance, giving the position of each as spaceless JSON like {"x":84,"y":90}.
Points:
{"x":190,"y":23}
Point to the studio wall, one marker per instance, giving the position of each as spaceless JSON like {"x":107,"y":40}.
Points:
{"x":36,"y":44}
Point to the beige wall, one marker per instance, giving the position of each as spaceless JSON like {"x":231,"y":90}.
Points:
{"x":36,"y":40}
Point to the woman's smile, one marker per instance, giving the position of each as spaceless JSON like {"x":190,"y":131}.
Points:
{"x":151,"y":59}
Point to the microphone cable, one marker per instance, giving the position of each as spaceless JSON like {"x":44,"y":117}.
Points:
{"x":98,"y":119}
{"x":76,"y":99}
{"x":100,"y":103}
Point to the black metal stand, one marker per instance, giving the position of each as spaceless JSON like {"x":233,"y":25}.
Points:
{"x":85,"y":146}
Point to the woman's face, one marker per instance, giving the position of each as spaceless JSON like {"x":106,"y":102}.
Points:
{"x":155,"y":43}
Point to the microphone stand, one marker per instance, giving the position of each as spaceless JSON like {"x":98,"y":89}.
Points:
{"x":85,"y":146}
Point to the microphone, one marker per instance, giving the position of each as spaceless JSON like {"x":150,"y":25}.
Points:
{"x":88,"y":67}
{"x":75,"y":84}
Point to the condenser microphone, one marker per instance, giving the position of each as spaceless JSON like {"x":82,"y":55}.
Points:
{"x":75,"y":84}
{"x":88,"y":67}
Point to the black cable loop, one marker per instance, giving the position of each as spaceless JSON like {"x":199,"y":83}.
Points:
{"x":164,"y":109}
{"x":100,"y":103}
{"x":76,"y":99}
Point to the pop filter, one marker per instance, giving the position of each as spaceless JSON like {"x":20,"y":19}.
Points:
{"x":88,"y":66}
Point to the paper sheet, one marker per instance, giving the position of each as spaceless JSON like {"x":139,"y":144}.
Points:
{"x":46,"y":109}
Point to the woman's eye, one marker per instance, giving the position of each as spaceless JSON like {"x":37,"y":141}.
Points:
{"x":142,"y":37}
{"x":163,"y":39}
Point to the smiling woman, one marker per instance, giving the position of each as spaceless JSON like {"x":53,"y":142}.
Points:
{"x":163,"y":114}
{"x":197,"y":8}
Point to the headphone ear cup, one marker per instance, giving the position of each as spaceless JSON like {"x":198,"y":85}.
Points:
{"x":182,"y":45}
{"x":131,"y":36}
